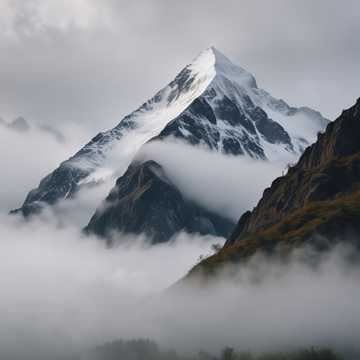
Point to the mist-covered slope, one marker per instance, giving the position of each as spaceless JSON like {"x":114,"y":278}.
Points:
{"x":211,"y":102}
{"x":145,"y":201}
{"x":317,"y":202}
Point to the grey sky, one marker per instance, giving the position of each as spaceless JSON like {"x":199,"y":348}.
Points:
{"x":91,"y":62}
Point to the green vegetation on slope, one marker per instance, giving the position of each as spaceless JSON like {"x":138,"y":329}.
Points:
{"x":315,"y":218}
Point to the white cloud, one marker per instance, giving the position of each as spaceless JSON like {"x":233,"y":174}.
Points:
{"x":226,"y":184}
{"x":25,"y":158}
{"x":26,"y":18}
{"x":92,"y":62}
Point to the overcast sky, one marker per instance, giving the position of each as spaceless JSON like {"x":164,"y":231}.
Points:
{"x":91,"y":62}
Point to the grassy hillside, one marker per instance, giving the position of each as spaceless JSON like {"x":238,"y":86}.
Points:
{"x":315,"y":219}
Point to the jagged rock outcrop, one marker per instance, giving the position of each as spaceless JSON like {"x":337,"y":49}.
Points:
{"x":144,"y":200}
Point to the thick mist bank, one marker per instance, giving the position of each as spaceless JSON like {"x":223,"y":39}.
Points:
{"x":61,"y":290}
{"x":139,"y":349}
{"x":226,"y":184}
{"x":26,"y":157}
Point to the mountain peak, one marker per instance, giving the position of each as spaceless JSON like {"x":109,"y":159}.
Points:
{"x":211,"y":102}
{"x":145,"y":201}
{"x":214,"y":63}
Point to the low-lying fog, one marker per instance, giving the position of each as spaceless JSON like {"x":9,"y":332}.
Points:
{"x":63,"y":292}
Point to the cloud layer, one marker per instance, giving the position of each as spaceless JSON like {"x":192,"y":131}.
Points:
{"x":84,"y":64}
{"x":228,"y":185}
{"x":26,"y":157}
{"x":61,"y":291}
{"x":93,"y":62}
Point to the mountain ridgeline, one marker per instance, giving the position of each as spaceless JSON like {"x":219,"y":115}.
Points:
{"x":316,"y":203}
{"x":212,"y":103}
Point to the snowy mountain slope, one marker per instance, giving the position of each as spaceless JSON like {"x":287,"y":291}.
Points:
{"x":123,"y":141}
{"x":234,"y":116}
{"x":210,"y":102}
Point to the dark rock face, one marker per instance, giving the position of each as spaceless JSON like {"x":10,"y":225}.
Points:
{"x":60,"y":184}
{"x":65,"y":181}
{"x":203,"y":123}
{"x":229,"y":112}
{"x":269,"y":129}
{"x":145,"y":201}
{"x":188,"y":127}
{"x":316,"y":203}
{"x":240,"y":226}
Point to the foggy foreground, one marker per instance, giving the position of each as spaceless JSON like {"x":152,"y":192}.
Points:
{"x":146,"y":349}
{"x":63,"y":294}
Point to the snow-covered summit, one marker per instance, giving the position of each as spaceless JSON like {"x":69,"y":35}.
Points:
{"x":224,"y":67}
{"x":234,"y":116}
{"x":211,"y":63}
{"x":211,"y":102}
